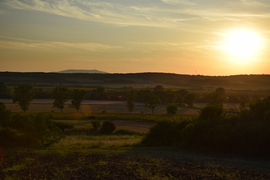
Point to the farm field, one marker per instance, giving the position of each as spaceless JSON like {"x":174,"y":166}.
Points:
{"x":83,"y":154}
{"x":87,"y":106}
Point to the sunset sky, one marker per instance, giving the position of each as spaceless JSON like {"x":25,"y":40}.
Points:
{"x":207,"y":37}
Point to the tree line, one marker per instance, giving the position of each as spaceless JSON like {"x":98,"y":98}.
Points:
{"x":23,"y":94}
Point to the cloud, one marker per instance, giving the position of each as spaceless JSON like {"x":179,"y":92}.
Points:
{"x":164,"y":13}
{"x":24,"y":44}
{"x":178,"y":2}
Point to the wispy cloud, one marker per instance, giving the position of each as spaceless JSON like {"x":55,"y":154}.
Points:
{"x":164,"y":13}
{"x":178,"y":2}
{"x":18,"y":43}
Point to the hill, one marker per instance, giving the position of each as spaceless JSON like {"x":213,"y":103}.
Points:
{"x":137,"y":80}
{"x":94,"y":71}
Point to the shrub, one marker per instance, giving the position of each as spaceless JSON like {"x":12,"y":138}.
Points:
{"x":63,"y":125}
{"x":4,"y":114}
{"x":41,"y":131}
{"x":162,"y":134}
{"x":172,"y":109}
{"x":10,"y":137}
{"x":29,"y":130}
{"x":211,"y":112}
{"x":107,"y":127}
{"x":95,"y":124}
{"x":246,"y":133}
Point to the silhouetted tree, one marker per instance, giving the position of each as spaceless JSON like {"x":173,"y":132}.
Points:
{"x":152,"y":102}
{"x":40,"y":93}
{"x":218,"y":97}
{"x":190,"y":98}
{"x":130,"y":105}
{"x":23,"y":94}
{"x":143,"y":94}
{"x":131,"y":96}
{"x":172,"y":109}
{"x":4,"y":114}
{"x":98,"y":93}
{"x":4,"y":91}
{"x":77,"y":96}
{"x":60,"y":95}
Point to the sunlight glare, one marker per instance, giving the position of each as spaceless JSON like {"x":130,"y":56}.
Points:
{"x":242,"y":45}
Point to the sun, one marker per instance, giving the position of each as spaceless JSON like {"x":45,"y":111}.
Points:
{"x":241,"y":45}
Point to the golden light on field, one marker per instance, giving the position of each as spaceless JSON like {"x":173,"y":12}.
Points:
{"x":242,"y":45}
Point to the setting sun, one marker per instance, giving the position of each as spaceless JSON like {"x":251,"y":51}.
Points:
{"x":242,"y":45}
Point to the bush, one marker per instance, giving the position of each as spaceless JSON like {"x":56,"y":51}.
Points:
{"x":5,"y":115}
{"x":63,"y":125}
{"x":10,"y":137}
{"x":172,"y":109}
{"x":165,"y":133}
{"x":107,"y":127}
{"x":27,"y":130}
{"x":95,"y":124}
{"x":211,"y":112}
{"x":246,"y":133}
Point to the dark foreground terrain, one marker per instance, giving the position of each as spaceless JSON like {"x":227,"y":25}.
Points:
{"x":104,"y":164}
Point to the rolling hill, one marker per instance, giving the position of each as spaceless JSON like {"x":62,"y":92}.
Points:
{"x":136,"y":80}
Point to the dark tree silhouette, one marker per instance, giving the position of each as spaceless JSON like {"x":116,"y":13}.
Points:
{"x":131,"y":96}
{"x":190,"y":98}
{"x":172,"y":109}
{"x":77,"y":96}
{"x":152,"y":102}
{"x":23,"y":94}
{"x":218,"y":97}
{"x":130,"y":105}
{"x":4,"y":91}
{"x":60,"y":95}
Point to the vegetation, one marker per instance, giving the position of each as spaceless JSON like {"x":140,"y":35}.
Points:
{"x":4,"y":91}
{"x":60,"y":95}
{"x":96,"y":124}
{"x":23,"y":94}
{"x":92,"y":145}
{"x":152,"y":102}
{"x":244,"y":133}
{"x":131,"y":97}
{"x":63,"y":126}
{"x":189,"y":99}
{"x":77,"y":96}
{"x":172,"y":109}
{"x":107,"y":127}
{"x":92,"y":154}
{"x":28,"y":131}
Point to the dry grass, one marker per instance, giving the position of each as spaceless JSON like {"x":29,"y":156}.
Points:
{"x":104,"y":141}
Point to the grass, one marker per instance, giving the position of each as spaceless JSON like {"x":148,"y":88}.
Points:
{"x":86,"y":154}
{"x":119,"y":116}
{"x":105,"y":142}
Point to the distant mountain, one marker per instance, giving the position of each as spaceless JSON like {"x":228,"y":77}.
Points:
{"x":94,"y":71}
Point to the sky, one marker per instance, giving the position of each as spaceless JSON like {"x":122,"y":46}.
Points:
{"x":130,"y":36}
